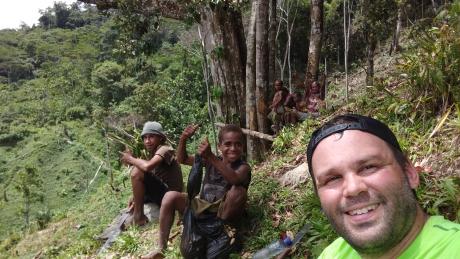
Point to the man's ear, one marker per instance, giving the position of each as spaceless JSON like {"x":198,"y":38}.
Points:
{"x":412,"y":175}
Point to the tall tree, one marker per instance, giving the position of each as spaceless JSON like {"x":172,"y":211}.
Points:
{"x":251,"y":109}
{"x":262,"y":64}
{"x":375,"y":21}
{"x":316,"y":33}
{"x":346,"y":37}
{"x":272,"y":42}
{"x":395,"y":43}
{"x":29,"y":185}
{"x":224,"y":40}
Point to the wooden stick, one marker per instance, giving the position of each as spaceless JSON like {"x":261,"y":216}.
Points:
{"x":250,"y":132}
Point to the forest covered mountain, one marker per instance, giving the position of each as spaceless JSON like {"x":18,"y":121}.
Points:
{"x":77,"y":87}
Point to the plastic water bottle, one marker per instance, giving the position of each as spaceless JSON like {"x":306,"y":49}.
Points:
{"x":273,"y":249}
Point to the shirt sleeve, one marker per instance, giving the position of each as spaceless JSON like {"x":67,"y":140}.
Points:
{"x":167,"y":153}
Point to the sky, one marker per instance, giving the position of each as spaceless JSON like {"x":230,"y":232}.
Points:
{"x":13,"y":12}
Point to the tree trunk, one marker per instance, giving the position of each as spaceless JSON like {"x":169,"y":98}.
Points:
{"x":316,"y":32}
{"x":26,"y":210}
{"x":223,"y":36}
{"x":395,"y":44}
{"x":272,"y":43}
{"x":434,"y":5}
{"x":251,"y":111}
{"x":262,"y":67}
{"x":370,"y":49}
{"x":346,"y":36}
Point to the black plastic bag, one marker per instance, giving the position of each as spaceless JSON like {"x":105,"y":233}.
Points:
{"x":218,"y":242}
{"x":192,"y":243}
{"x":195,"y":178}
{"x":203,"y":236}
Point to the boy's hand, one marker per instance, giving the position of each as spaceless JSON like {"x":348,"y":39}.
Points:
{"x":125,"y":156}
{"x":131,"y":204}
{"x":189,"y":131}
{"x":204,"y":149}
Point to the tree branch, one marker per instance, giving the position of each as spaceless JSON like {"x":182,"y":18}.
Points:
{"x":166,"y":8}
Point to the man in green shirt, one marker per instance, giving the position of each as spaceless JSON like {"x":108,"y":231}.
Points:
{"x":366,"y":187}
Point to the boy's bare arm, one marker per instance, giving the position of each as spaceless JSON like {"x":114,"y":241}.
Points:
{"x":182,"y":156}
{"x":143,"y":165}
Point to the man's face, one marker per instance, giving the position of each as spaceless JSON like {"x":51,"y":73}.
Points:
{"x":364,"y":192}
{"x":231,"y":146}
{"x":278,"y":85}
{"x":151,"y":141}
{"x":314,"y":87}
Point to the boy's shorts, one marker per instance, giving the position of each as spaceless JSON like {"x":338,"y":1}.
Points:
{"x":155,"y":188}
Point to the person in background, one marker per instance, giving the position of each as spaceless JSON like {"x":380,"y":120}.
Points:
{"x":277,"y":106}
{"x":313,"y":99}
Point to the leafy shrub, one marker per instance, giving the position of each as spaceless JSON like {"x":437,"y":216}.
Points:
{"x":43,"y":218}
{"x":77,"y":112}
{"x":10,"y":139}
{"x":9,"y":242}
{"x":283,"y":140}
{"x":433,"y":65}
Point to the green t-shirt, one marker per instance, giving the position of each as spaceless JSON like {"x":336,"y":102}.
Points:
{"x":439,"y":238}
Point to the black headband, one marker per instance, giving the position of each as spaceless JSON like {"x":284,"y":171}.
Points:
{"x":350,"y":122}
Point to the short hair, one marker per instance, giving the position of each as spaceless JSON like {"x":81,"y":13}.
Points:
{"x":342,"y":123}
{"x":229,"y":128}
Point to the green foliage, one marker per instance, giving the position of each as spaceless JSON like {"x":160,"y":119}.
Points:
{"x":283,"y":140}
{"x":43,"y":218}
{"x":440,"y":196}
{"x":29,"y":185}
{"x":177,"y":96}
{"x":432,"y":67}
{"x":128,"y":242}
{"x":376,"y":19}
{"x":69,"y":17}
{"x":107,"y":77}
{"x":140,"y":32}
{"x":9,"y":242}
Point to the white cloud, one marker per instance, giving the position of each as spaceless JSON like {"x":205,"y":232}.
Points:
{"x":13,"y":12}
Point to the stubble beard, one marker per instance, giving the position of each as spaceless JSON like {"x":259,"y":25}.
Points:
{"x":398,"y":217}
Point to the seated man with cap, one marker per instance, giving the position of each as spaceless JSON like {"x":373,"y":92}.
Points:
{"x":151,"y":179}
{"x":366,"y":186}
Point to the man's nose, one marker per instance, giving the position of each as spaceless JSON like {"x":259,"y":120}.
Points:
{"x":353,"y":185}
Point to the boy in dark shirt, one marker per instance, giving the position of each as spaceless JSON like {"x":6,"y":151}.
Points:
{"x":224,"y":186}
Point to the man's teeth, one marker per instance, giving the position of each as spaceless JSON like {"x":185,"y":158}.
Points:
{"x":362,"y":210}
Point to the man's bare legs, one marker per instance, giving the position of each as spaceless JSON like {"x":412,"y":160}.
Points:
{"x":137,"y":183}
{"x":171,"y":202}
